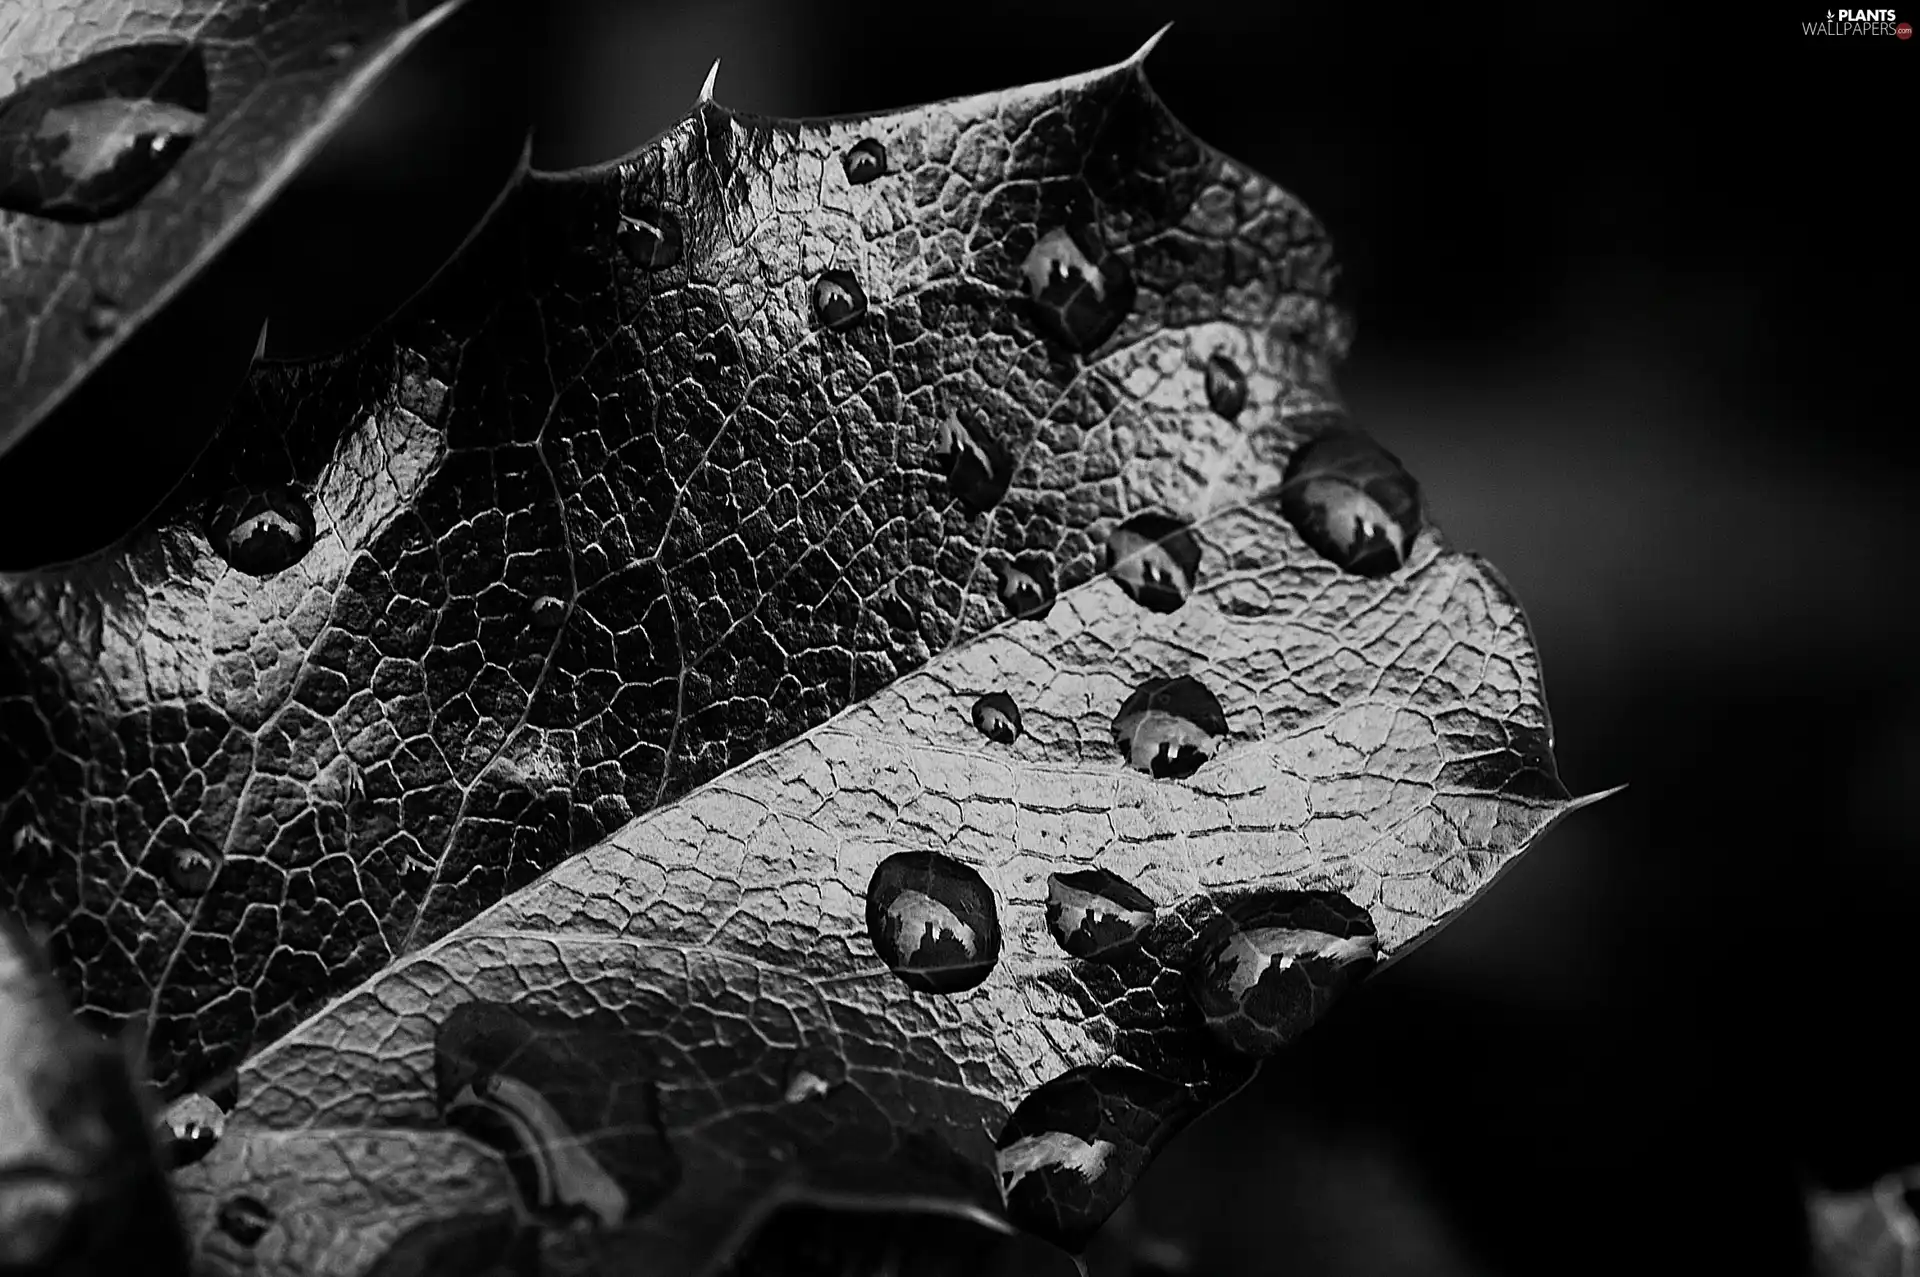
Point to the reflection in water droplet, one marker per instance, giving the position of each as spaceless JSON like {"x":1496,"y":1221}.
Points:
{"x":103,"y":317}
{"x":977,"y":467}
{"x":1074,"y":1148}
{"x":188,"y":1130}
{"x":1272,"y":964}
{"x":932,"y":920}
{"x":245,"y":1218}
{"x":1353,"y":502}
{"x":1226,"y":387}
{"x":864,"y":161}
{"x":1095,"y":912}
{"x":190,"y":862}
{"x":1169,"y":726}
{"x":1080,"y":291}
{"x":1155,"y":559}
{"x":997,"y":718}
{"x":261,"y":531}
{"x":88,"y":141}
{"x":838,"y":300}
{"x":651,"y":239}
{"x":1026,"y":586}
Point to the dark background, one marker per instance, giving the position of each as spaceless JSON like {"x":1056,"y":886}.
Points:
{"x":1634,"y":298}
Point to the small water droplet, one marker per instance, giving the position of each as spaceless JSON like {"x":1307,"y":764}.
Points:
{"x":1272,"y":964}
{"x":651,"y":238}
{"x":1226,"y":387}
{"x":190,"y":863}
{"x":1026,"y":586}
{"x":1155,"y":559}
{"x":103,"y":318}
{"x":1074,"y":1148}
{"x":813,"y":1074}
{"x":547,"y":612}
{"x":864,"y":161}
{"x":1094,"y":912}
{"x":189,"y":1128}
{"x":976,"y":465}
{"x":245,"y":1218}
{"x":838,"y":300}
{"x":1169,"y":726}
{"x":1353,"y":502}
{"x":932,"y":920}
{"x":1081,"y":291}
{"x":997,"y":718}
{"x":340,"y":50}
{"x":87,"y":142}
{"x":261,"y":531}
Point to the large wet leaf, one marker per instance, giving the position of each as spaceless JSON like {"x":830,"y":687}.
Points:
{"x":136,"y":140}
{"x":817,"y":664}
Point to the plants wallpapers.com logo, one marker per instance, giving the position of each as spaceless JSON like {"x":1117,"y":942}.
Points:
{"x":1859,"y":22}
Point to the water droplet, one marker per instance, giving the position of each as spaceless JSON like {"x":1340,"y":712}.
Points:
{"x":190,"y":862}
{"x":547,"y":612}
{"x":1080,"y":291}
{"x":244,"y":1218}
{"x":1272,"y":964}
{"x":1093,"y":912}
{"x":1353,"y":502}
{"x":864,"y":161}
{"x":1074,"y":1148}
{"x":261,"y":531}
{"x":838,"y":300}
{"x":103,"y":318}
{"x":997,"y":718}
{"x":1169,"y":726}
{"x":1155,"y":559}
{"x":340,"y":50}
{"x":977,"y":468}
{"x":933,"y":921}
{"x":1026,"y":586}
{"x":1226,"y":387}
{"x":572,"y":1109}
{"x":651,"y":238}
{"x":812,"y":1075}
{"x":189,"y":1128}
{"x":88,"y":142}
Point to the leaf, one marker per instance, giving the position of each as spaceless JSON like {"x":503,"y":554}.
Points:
{"x":136,"y":141}
{"x":79,"y":1189}
{"x":540,"y":748}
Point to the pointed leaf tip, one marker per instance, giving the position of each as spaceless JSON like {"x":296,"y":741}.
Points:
{"x":706,"y":86}
{"x":1140,"y":56}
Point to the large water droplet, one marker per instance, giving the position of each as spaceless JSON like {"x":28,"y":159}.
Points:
{"x":89,"y":141}
{"x":189,"y":862}
{"x":1095,"y":912}
{"x":838,"y":300}
{"x":651,"y":239}
{"x":1155,"y":559}
{"x":571,"y":1108}
{"x":244,"y":1218}
{"x":1079,"y":289}
{"x":1169,"y":726}
{"x":1026,"y":586}
{"x":997,"y":718}
{"x":188,"y":1129}
{"x":976,"y":465}
{"x":1226,"y":387}
{"x":933,"y":921}
{"x":1353,"y":502}
{"x":864,"y":161}
{"x":1073,"y":1149}
{"x":1271,"y":965}
{"x":261,"y":531}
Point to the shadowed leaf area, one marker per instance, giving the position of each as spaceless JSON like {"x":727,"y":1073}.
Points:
{"x":538,"y":749}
